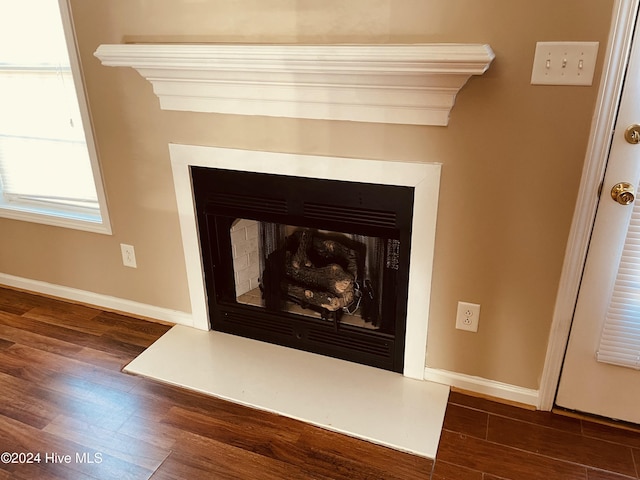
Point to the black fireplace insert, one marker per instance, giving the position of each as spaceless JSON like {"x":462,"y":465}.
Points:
{"x":314,"y":264}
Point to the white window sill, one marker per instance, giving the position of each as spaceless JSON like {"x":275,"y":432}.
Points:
{"x":87,"y":221}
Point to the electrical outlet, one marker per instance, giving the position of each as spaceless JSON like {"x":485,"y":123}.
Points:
{"x":564,"y":63}
{"x":468,"y":316}
{"x":128,"y":255}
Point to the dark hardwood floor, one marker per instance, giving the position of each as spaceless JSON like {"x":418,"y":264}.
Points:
{"x":68,"y":412}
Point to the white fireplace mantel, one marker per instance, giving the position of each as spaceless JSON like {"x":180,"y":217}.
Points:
{"x":404,"y":84}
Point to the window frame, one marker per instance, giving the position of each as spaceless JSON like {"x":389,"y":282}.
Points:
{"x":62,"y":216}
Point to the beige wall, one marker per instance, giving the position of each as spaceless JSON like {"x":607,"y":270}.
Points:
{"x":512,"y":158}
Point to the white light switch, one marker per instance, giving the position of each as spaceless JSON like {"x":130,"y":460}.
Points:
{"x":564,"y":63}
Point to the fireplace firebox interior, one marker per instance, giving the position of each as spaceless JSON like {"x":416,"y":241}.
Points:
{"x":314,"y":264}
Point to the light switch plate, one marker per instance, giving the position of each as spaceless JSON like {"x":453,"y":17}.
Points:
{"x":564,"y":63}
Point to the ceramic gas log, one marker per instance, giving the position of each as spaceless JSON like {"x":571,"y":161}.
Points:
{"x":315,"y":271}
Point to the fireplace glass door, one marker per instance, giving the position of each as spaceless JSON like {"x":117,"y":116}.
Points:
{"x":332,"y":276}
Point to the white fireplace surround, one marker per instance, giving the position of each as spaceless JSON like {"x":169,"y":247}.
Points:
{"x":407,"y":84}
{"x":423,"y":177}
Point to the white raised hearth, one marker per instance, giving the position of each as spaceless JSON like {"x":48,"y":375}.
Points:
{"x":364,"y":402}
{"x":407,"y":84}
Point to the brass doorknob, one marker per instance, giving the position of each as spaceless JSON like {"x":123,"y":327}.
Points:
{"x":632,"y":134}
{"x":623,"y":193}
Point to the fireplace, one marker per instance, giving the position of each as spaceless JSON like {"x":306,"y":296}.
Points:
{"x":405,"y":242}
{"x":315,"y":264}
{"x":388,"y":84}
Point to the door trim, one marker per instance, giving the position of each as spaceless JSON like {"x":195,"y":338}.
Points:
{"x":610,"y":91}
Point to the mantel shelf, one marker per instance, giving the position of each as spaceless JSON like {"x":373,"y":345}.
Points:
{"x":405,"y":84}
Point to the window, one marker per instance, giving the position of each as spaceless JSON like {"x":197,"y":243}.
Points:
{"x":620,"y":337}
{"x":48,"y":164}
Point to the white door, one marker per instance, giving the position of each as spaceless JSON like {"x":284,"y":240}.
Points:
{"x":587,"y":383}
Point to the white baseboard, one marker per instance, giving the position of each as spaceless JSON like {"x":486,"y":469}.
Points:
{"x":96,"y":299}
{"x":503,"y":391}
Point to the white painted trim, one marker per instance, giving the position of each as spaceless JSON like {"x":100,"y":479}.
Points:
{"x":619,"y":45}
{"x":406,"y":84}
{"x":98,"y":300}
{"x":424,"y":177}
{"x":85,"y":114}
{"x":48,"y":215}
{"x":504,"y":391}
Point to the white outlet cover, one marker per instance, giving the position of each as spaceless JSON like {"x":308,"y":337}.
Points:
{"x":564,"y":63}
{"x":468,"y":316}
{"x":128,"y":255}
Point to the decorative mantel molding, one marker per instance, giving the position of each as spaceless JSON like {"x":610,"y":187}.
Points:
{"x":406,"y":84}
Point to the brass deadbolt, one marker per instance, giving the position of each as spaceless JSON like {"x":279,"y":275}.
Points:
{"x":623,"y":193}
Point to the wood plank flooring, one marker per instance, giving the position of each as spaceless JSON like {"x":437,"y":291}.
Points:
{"x":66,"y":407}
